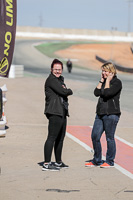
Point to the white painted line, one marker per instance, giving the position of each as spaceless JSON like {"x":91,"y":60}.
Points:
{"x":124,"y":141}
{"x":124,"y":171}
{"x":79,"y":142}
{"x":121,"y":169}
{"x":72,"y":59}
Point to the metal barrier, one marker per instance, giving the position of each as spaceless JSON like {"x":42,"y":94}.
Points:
{"x":3,"y":101}
{"x":16,"y":71}
{"x":119,"y":67}
{"x":131,"y":47}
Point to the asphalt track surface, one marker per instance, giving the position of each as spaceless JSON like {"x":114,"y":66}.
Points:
{"x":38,"y":64}
{"x":21,"y":152}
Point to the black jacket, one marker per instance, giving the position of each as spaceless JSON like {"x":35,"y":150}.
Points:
{"x":109,"y":98}
{"x":55,"y":95}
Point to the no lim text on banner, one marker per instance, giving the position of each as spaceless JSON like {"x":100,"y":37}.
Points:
{"x":8,"y":10}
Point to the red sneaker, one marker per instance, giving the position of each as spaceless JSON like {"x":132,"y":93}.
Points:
{"x":89,"y":164}
{"x":106,"y":165}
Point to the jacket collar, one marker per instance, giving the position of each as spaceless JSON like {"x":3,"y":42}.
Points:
{"x":60,"y":78}
{"x":114,"y":78}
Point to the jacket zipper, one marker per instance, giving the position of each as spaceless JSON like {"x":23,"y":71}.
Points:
{"x":107,"y":107}
{"x":114,"y":104}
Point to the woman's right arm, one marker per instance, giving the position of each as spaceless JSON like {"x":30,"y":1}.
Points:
{"x":56,"y":86}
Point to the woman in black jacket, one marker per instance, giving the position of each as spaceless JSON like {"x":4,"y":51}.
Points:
{"x":107,"y":115}
{"x":56,"y":110}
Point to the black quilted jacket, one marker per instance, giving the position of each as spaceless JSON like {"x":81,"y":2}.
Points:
{"x":109,"y":98}
{"x":55,"y":95}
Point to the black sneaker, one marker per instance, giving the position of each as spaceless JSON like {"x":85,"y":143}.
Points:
{"x":49,"y":167}
{"x":61,"y":165}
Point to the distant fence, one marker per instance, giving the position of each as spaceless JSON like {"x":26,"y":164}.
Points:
{"x":119,"y":67}
{"x":73,"y":34}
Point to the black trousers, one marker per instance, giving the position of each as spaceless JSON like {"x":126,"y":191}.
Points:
{"x":56,"y":134}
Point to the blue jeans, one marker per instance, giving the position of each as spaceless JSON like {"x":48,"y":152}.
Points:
{"x":108,"y":124}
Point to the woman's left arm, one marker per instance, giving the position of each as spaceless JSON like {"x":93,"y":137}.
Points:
{"x":109,"y":78}
{"x":111,"y":89}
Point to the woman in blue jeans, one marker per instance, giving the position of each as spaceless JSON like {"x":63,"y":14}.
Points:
{"x":107,"y":116}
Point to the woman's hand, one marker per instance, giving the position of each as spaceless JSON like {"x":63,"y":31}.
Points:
{"x":64,"y":86}
{"x":102,"y":78}
{"x":110,"y":76}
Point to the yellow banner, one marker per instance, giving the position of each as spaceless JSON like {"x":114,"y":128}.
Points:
{"x":8,"y":10}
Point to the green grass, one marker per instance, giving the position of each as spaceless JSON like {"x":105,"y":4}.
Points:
{"x":50,"y":48}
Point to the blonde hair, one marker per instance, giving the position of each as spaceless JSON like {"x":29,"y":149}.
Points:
{"x":109,"y":67}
